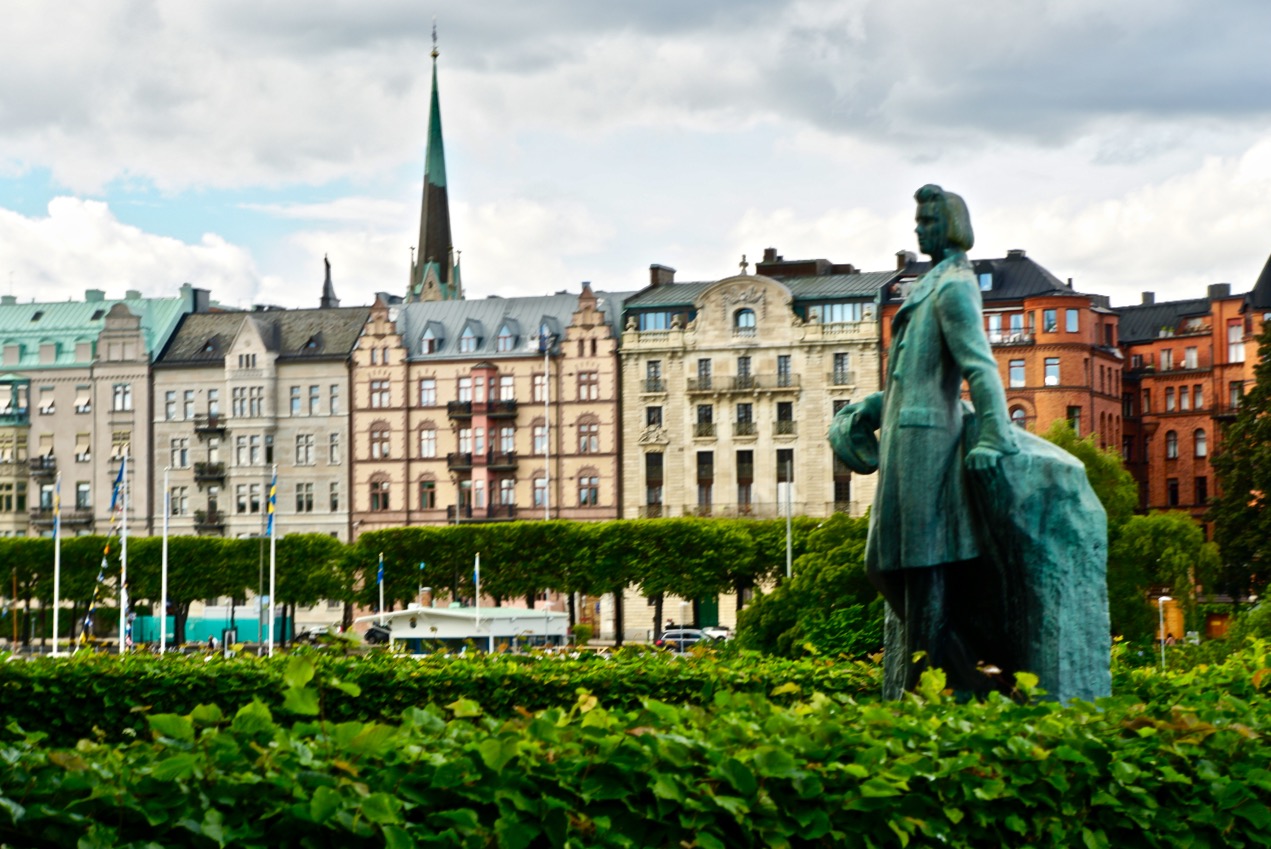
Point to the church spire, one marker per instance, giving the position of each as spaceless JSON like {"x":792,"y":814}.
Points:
{"x":329,"y":300}
{"x":433,"y":274}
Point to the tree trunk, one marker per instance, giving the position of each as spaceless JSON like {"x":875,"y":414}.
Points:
{"x":572,"y":612}
{"x":180,"y":612}
{"x":740,"y":589}
{"x":26,"y":625}
{"x":346,"y":620}
{"x":617,"y":617}
{"x":530,"y":598}
{"x":657,"y":617}
{"x":697,"y":613}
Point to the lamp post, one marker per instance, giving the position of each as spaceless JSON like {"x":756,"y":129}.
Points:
{"x":1160,"y":608}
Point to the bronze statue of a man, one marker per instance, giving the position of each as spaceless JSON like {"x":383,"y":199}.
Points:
{"x":956,"y":539}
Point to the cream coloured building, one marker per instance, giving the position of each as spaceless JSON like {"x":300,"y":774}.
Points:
{"x":729,"y":387}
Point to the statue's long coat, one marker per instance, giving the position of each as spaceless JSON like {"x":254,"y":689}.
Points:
{"x":921,"y":513}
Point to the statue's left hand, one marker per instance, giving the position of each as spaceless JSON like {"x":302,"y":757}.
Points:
{"x":981,"y":458}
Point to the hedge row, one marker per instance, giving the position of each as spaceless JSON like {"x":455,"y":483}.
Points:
{"x":68,"y":698}
{"x":739,"y":772}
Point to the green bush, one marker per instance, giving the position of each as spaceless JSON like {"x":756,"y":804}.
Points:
{"x":1186,"y":768}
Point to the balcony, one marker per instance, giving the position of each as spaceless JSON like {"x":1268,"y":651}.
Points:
{"x":704,"y":430}
{"x":654,"y":384}
{"x":651,"y":511}
{"x":468,"y":513}
{"x":501,"y":461}
{"x":785,"y":428}
{"x":744,"y":383}
{"x":459,"y":409}
{"x":43,"y":467}
{"x":459,"y":460}
{"x":842,"y":378}
{"x":700,"y":384}
{"x":213,"y":424}
{"x":744,"y":429}
{"x":207,"y":472}
{"x":505,"y":409}
{"x":209,"y":521}
{"x":1014,"y":338}
{"x":43,"y":517}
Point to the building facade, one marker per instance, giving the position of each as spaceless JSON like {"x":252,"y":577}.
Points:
{"x":78,"y":377}
{"x":237,"y":394}
{"x":491,"y":410}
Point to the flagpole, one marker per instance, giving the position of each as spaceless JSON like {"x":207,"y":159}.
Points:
{"x":476,"y":591}
{"x":123,"y":557}
{"x":547,"y":426}
{"x":379,"y":579}
{"x":163,"y":590}
{"x":57,"y":556}
{"x":273,"y":555}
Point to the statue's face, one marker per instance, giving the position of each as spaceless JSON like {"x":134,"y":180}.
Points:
{"x":932,"y":229}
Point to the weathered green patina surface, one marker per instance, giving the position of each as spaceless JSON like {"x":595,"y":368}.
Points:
{"x":987,"y":542}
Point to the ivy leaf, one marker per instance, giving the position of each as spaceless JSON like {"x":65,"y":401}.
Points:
{"x":323,"y":804}
{"x":381,"y":809}
{"x":175,"y":768}
{"x":497,"y":751}
{"x":254,"y":718}
{"x":464,"y":708}
{"x":207,"y":715}
{"x":739,"y":776}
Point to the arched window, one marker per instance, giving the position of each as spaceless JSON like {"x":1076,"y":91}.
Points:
{"x":1171,"y":445}
{"x":428,"y":342}
{"x":744,"y":322}
{"x":1018,"y":416}
{"x":467,"y":341}
{"x":1201,"y":442}
{"x":506,"y":340}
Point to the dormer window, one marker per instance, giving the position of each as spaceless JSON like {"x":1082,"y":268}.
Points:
{"x":467,"y":341}
{"x":428,"y":343}
{"x":744,"y":322}
{"x":506,"y":340}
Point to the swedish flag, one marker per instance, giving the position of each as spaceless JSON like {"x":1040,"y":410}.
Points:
{"x":57,"y":506}
{"x":271,"y":501}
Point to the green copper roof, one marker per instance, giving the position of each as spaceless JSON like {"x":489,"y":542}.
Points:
{"x":66,"y":323}
{"x":435,"y":161}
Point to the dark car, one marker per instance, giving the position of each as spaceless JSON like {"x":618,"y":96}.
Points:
{"x":681,"y":639}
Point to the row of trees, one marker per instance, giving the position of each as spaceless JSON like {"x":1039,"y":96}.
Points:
{"x":691,"y":558}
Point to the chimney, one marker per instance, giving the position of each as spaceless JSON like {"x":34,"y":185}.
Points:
{"x":904,"y":259}
{"x":1149,"y":298}
{"x":1219,"y":290}
{"x":1069,"y":282}
{"x":8,"y":300}
{"x":132,"y":295}
{"x":661,"y":275}
{"x":769,"y":254}
{"x":93,"y":296}
{"x":1016,"y":253}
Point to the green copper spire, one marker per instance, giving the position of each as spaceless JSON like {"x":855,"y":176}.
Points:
{"x":433,"y":275}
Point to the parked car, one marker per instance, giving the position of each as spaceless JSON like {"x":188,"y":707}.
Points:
{"x":681,"y":639}
{"x":717,"y":632}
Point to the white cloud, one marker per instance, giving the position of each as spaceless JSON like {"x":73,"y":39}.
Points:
{"x":81,"y":245}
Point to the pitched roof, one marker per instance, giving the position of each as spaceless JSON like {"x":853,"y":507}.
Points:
{"x":448,"y":318}
{"x":205,"y":338}
{"x":68,"y":322}
{"x":1143,"y":322}
{"x":819,"y":287}
{"x":1260,"y":297}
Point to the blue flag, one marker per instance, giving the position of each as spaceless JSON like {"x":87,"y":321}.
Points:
{"x":57,"y":506}
{"x":270,"y":502}
{"x":379,"y":576}
{"x":119,"y":483}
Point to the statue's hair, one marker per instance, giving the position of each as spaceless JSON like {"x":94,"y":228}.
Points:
{"x":957,"y":219}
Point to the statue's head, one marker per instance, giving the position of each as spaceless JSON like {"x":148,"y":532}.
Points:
{"x":943,"y":222}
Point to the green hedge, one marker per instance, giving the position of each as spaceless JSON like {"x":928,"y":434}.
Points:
{"x":1187,"y":770}
{"x":70,"y":697}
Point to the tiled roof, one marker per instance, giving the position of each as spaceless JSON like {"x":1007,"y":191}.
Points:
{"x":448,"y":319}
{"x":68,"y":322}
{"x":205,"y":338}
{"x":1143,"y":322}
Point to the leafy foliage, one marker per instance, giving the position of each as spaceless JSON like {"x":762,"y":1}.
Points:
{"x":1179,"y":762}
{"x":1112,"y":484}
{"x":827,"y":607}
{"x":1240,"y":513}
{"x":1166,"y":550}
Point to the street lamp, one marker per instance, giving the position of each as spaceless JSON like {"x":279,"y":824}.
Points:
{"x":1160,"y":608}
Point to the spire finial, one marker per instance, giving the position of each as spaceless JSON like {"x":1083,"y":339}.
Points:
{"x":435,"y":51}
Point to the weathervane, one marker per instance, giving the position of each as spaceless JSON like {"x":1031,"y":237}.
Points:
{"x":434,"y":37}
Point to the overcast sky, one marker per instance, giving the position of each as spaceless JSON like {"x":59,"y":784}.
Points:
{"x":233,"y":143}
